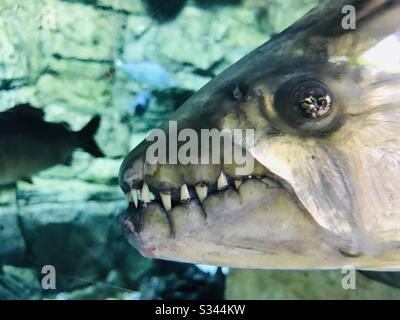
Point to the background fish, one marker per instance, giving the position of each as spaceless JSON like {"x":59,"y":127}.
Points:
{"x":28,"y":144}
{"x":147,"y":72}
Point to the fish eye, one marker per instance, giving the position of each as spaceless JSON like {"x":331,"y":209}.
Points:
{"x":312,"y":99}
{"x":306,"y":103}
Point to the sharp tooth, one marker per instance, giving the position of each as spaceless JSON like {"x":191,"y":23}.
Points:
{"x":237,"y":182}
{"x":145,"y":193}
{"x":201,"y":190}
{"x":185,"y":196}
{"x":166,"y":200}
{"x":222,"y":182}
{"x":134,"y":197}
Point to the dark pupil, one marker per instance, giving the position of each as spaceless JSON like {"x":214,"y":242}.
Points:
{"x":313,"y":103}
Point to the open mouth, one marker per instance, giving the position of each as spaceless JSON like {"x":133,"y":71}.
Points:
{"x":244,"y":222}
{"x":145,"y":199}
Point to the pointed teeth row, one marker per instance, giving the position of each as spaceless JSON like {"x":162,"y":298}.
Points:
{"x":201,"y":191}
{"x":133,"y":195}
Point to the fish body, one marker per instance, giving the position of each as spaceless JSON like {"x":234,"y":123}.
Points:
{"x":324,"y":191}
{"x":147,"y":72}
{"x":28,"y":144}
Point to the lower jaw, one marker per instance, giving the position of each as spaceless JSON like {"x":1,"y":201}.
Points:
{"x":253,"y":227}
{"x":231,"y":227}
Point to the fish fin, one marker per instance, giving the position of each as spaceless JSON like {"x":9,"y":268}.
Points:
{"x":86,"y":138}
{"x":390,"y":278}
{"x":27,"y":180}
{"x":27,"y":110}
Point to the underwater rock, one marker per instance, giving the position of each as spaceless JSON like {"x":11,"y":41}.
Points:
{"x":164,"y":13}
{"x":83,"y":241}
{"x":80,"y":94}
{"x":13,"y":249}
{"x":101,"y":171}
{"x":73,"y":238}
{"x":129,"y":6}
{"x":20,"y":59}
{"x":194,"y":38}
{"x":276,"y":15}
{"x":19,"y":283}
{"x":271,"y":285}
{"x":84,"y":33}
{"x":110,"y":288}
{"x":114,"y":135}
{"x":19,"y":54}
{"x":136,"y":26}
{"x":131,"y":265}
{"x":14,"y":96}
{"x":51,"y":188}
{"x":76,"y":68}
{"x":177,"y":281}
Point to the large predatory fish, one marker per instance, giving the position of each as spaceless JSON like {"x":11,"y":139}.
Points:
{"x":325,"y":190}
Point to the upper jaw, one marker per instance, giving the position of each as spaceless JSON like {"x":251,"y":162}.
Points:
{"x":172,"y":184}
{"x":144,"y":187}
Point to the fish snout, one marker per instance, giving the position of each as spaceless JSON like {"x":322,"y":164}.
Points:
{"x":131,"y":175}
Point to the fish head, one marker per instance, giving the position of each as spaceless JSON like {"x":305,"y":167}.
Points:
{"x":315,"y":183}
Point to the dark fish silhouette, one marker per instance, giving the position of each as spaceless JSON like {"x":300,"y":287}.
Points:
{"x":28,"y":144}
